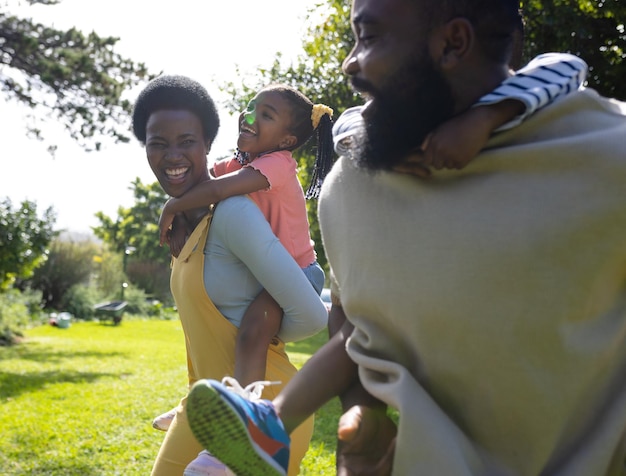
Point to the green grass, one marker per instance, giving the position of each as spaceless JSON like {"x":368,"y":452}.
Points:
{"x":80,"y":401}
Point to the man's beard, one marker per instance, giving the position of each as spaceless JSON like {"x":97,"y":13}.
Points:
{"x":402,"y":113}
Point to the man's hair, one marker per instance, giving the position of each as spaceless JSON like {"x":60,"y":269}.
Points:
{"x":498,"y":23}
{"x":173,"y":92}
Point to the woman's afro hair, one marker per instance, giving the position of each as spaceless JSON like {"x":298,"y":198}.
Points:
{"x":174,"y":92}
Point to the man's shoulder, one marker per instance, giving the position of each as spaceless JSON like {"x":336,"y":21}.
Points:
{"x":580,"y":112}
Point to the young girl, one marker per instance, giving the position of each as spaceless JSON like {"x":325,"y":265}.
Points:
{"x":277,"y":121}
{"x":245,"y":433}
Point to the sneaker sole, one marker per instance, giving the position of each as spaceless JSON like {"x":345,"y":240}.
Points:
{"x":217,"y":425}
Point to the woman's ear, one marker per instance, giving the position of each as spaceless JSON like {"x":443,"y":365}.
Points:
{"x":207,"y":147}
{"x":456,"y":42}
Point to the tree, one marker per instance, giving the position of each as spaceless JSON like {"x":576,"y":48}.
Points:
{"x":24,"y":239}
{"x":591,"y":29}
{"x":136,"y":229}
{"x":137,"y":226}
{"x":76,"y":78}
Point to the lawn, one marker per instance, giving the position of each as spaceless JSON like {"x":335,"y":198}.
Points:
{"x":80,"y":401}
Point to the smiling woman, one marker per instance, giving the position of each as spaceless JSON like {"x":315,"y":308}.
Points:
{"x":219,"y":271}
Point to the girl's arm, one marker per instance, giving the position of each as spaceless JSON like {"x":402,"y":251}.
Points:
{"x":456,"y":142}
{"x":243,"y":181}
{"x":547,"y":77}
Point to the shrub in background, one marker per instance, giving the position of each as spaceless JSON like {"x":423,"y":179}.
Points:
{"x":80,"y":300}
{"x":18,"y":311}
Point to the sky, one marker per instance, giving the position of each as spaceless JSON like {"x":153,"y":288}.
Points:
{"x":205,"y":40}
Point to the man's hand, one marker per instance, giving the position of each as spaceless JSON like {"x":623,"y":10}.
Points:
{"x":367,"y":439}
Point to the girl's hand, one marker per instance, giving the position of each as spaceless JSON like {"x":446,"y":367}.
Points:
{"x":414,"y":165}
{"x":165,"y":223}
{"x":177,"y":236}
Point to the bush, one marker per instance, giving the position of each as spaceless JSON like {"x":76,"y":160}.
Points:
{"x":18,"y":311}
{"x":137,"y":301}
{"x":80,"y":300}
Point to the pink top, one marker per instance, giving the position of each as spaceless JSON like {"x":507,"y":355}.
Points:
{"x":283,"y":203}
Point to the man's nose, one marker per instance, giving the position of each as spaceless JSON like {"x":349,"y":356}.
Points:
{"x":350,"y":65}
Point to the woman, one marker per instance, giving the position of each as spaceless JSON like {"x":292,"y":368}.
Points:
{"x":230,"y":256}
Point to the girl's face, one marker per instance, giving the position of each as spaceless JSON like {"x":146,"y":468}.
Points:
{"x":265,"y":125}
{"x":176,"y":150}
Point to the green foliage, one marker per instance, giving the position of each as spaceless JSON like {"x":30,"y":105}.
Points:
{"x":18,"y":310}
{"x":153,"y":277}
{"x":137,"y":226}
{"x":69,"y":263}
{"x":137,"y":301}
{"x":74,"y":78}
{"x":593,"y":30}
{"x":79,"y":301}
{"x":108,"y":273}
{"x":24,"y":238}
{"x":148,"y":266}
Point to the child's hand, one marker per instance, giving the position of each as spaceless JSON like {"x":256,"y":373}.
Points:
{"x":414,"y":165}
{"x":177,"y":236}
{"x":451,"y":146}
{"x":456,"y":142}
{"x":165,"y":223}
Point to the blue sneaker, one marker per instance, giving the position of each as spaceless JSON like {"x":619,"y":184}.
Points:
{"x":239,"y":428}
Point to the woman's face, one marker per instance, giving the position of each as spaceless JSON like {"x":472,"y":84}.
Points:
{"x":176,"y":150}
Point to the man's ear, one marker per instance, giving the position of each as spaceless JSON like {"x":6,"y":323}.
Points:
{"x":288,"y":142}
{"x":456,"y":41}
{"x":207,"y":147}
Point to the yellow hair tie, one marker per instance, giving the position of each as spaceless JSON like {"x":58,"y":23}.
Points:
{"x":318,"y":111}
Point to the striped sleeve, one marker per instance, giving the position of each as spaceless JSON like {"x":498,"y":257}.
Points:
{"x":546,"y":78}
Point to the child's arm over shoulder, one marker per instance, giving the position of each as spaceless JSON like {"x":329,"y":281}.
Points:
{"x":544,"y":79}
{"x":456,"y":142}
{"x":204,"y":194}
